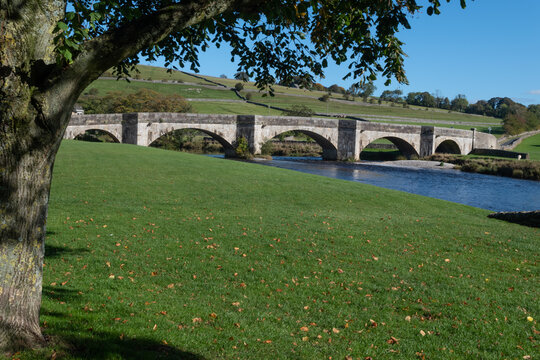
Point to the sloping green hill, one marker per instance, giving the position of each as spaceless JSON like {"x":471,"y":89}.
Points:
{"x":202,"y":93}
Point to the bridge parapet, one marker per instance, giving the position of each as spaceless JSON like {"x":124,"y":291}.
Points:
{"x":186,"y":118}
{"x":96,"y":119}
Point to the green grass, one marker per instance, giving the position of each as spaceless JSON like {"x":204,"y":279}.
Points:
{"x":158,"y":73}
{"x":152,"y":253}
{"x":530,"y":145}
{"x":188,"y":91}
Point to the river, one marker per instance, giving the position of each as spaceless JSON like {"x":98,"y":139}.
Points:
{"x":484,"y":191}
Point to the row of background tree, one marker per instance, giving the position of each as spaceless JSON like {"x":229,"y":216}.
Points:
{"x":516,"y":117}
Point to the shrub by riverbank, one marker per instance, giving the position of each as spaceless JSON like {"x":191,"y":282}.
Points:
{"x":521,"y":169}
{"x":160,"y":254}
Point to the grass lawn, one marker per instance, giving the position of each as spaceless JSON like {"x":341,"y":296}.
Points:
{"x":530,"y":145}
{"x":153,"y":253}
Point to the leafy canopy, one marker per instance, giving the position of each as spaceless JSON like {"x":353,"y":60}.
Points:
{"x":272,"y":39}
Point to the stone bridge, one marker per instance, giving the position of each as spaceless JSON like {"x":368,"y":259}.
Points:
{"x":339,"y":139}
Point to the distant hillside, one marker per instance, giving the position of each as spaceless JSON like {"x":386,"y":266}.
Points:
{"x":215,"y":95}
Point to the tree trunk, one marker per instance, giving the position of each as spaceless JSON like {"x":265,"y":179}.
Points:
{"x":28,"y":145}
{"x":27,"y":152}
{"x":32,"y":119}
{"x":23,"y":212}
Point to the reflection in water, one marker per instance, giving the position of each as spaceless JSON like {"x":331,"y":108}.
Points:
{"x":483,"y":191}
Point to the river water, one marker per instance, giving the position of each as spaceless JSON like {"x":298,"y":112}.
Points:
{"x":484,"y":191}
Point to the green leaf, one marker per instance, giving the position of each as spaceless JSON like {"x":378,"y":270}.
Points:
{"x":62,"y":26}
{"x":66,"y":54}
{"x":69,"y":43}
{"x":70,"y":16}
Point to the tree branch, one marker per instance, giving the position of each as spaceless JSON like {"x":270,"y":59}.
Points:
{"x":109,"y":49}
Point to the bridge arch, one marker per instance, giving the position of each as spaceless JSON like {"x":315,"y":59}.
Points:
{"x":329,"y":150}
{"x":447,"y":146}
{"x":80,"y":133}
{"x":404,"y":147}
{"x":227,"y":146}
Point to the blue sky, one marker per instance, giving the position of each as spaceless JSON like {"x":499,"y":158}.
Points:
{"x":492,"y":48}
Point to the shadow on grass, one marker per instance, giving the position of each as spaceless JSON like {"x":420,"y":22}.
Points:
{"x":106,"y":345}
{"x":68,"y":338}
{"x":56,"y":251}
{"x":58,"y":293}
{"x":74,"y":337}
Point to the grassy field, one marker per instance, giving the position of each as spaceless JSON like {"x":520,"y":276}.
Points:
{"x":188,"y":91}
{"x":153,"y":253}
{"x":282,"y":99}
{"x":158,"y":73}
{"x":530,"y":145}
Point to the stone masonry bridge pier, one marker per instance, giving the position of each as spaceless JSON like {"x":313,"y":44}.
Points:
{"x":339,"y":139}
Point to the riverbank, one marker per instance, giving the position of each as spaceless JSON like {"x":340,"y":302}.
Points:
{"x":519,"y":169}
